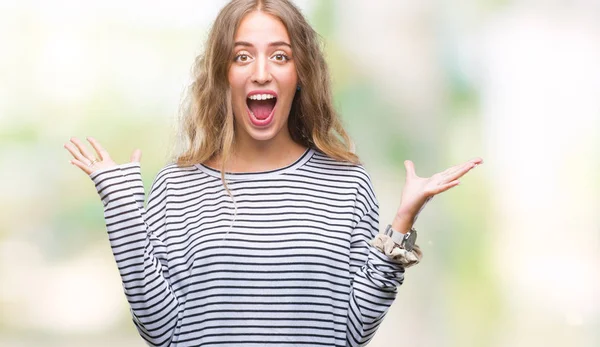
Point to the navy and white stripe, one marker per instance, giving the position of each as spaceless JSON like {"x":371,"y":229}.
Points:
{"x":293,"y":269}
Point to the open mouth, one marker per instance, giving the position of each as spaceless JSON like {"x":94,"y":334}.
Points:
{"x":261,"y":105}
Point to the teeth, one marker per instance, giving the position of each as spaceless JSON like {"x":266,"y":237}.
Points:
{"x":261,"y":97}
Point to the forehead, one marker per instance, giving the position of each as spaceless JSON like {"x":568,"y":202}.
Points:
{"x":258,"y":28}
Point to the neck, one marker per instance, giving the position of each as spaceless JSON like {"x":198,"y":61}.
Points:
{"x":250,"y":155}
{"x":264,"y":158}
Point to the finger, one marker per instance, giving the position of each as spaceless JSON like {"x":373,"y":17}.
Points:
{"x":452,"y":170}
{"x":460,"y":171}
{"x":102,"y":153}
{"x":410,"y":168}
{"x":75,"y":152}
{"x":446,"y":186}
{"x":82,"y":166}
{"x":136,"y":156}
{"x":476,"y":161}
{"x":82,"y":148}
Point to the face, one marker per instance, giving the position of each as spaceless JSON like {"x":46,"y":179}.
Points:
{"x":263,"y":80}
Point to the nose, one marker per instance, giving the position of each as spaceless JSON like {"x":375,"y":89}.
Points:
{"x":261,"y":74}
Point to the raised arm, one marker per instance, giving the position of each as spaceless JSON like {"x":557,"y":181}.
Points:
{"x":135,"y":238}
{"x":140,"y":255}
{"x":375,"y":282}
{"x":376,"y":278}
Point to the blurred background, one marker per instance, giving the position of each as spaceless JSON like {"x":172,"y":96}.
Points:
{"x":511,"y":255}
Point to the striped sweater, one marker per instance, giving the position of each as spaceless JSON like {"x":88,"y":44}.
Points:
{"x":293,"y":267}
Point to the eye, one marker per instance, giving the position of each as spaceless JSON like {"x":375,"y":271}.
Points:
{"x":281,"y":57}
{"x":242,"y":57}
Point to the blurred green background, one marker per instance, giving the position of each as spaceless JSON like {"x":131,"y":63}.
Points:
{"x":511,"y":255}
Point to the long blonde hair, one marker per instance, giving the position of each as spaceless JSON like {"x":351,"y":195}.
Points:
{"x":207,"y":122}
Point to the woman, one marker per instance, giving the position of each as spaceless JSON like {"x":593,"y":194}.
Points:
{"x":265,"y":230}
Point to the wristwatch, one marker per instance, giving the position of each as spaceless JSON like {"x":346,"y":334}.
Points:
{"x":406,"y":241}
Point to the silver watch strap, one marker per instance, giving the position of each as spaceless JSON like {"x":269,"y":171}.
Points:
{"x":405,"y":241}
{"x":396,"y":236}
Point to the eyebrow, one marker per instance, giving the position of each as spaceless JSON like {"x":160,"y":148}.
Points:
{"x":276,"y":43}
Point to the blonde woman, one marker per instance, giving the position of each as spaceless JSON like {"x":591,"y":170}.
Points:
{"x":265,"y":231}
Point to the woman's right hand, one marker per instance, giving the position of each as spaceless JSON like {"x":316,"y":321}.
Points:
{"x":82,"y":157}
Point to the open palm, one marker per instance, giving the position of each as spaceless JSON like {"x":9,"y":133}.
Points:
{"x":88,"y":162}
{"x":418,"y":191}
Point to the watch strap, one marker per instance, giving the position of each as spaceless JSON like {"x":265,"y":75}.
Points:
{"x":404,"y":241}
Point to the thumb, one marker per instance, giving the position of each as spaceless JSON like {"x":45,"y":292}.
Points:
{"x":410,"y":168}
{"x":136,"y":156}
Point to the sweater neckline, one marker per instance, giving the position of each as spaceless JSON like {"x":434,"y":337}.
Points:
{"x":308,"y":153}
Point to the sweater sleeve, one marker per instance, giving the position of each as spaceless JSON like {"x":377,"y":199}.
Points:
{"x":376,"y":278}
{"x":141,"y":257}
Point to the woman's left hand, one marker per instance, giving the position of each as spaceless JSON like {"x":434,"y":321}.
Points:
{"x":419,"y":190}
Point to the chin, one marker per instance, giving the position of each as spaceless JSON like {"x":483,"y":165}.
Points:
{"x":262,"y":135}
